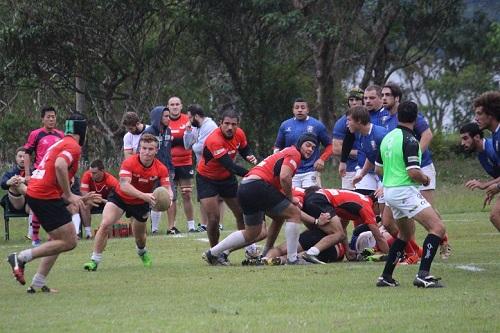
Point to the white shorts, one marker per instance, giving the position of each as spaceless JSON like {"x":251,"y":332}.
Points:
{"x":381,"y":199}
{"x":368,"y":182}
{"x":405,"y":201}
{"x":347,"y":180}
{"x":308,"y":179}
{"x":430,"y":172}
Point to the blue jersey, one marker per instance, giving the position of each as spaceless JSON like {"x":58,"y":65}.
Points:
{"x":290,"y":131}
{"x":370,"y":143}
{"x":339,"y":132}
{"x":421,"y":125}
{"x":489,"y":158}
{"x":380,"y":117}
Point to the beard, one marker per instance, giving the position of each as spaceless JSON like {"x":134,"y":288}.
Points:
{"x":195,"y":123}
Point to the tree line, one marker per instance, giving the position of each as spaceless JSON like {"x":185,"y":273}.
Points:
{"x":106,"y":57}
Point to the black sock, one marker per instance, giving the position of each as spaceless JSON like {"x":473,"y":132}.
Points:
{"x":431,"y":244}
{"x":395,"y":253}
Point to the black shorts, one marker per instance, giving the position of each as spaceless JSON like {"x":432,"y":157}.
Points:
{"x":184,"y":172}
{"x":139,"y":212}
{"x":51,"y":213}
{"x":208,"y":188}
{"x":259,"y":196}
{"x":309,"y":238}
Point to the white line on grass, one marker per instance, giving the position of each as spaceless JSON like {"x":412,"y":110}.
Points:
{"x":205,"y":240}
{"x":470,"y":268}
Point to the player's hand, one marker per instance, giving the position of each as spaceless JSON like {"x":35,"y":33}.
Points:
{"x":324,"y":218}
{"x":295,"y":201}
{"x":357,"y":179}
{"x":342,"y":169}
{"x":379,"y":192}
{"x":350,"y":255}
{"x":427,"y":181}
{"x":474,"y":183}
{"x":252,"y":159}
{"x":93,"y":199}
{"x":487,"y":201}
{"x":492,"y":190}
{"x":75,"y":200}
{"x":319,"y":165}
{"x":149,"y":198}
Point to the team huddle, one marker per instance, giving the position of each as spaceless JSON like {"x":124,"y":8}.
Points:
{"x":386,"y":169}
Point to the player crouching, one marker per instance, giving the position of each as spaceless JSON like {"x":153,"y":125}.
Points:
{"x":133,"y":196}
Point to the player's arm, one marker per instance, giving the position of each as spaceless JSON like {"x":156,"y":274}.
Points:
{"x":165,"y":182}
{"x":286,"y":175}
{"x":27,"y":165}
{"x":129,"y":189}
{"x":412,"y":162}
{"x":247,"y":154}
{"x":62,"y":177}
{"x":229,"y":164}
{"x":425,"y":139}
{"x":190,"y":137}
{"x":366,"y":167}
{"x":379,"y":239}
{"x":379,"y":165}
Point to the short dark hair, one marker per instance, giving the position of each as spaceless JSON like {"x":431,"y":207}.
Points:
{"x":147,"y":138}
{"x":20,"y":149}
{"x":97,"y":164}
{"x":130,"y":119}
{"x":359,"y":113}
{"x":46,"y":109}
{"x":195,"y":109}
{"x":472,"y":129}
{"x":490,"y":101}
{"x":407,"y":112}
{"x":375,"y":87}
{"x":230,"y":114}
{"x":395,"y":90}
{"x":299,"y":100}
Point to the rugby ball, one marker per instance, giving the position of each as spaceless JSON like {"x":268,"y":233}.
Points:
{"x":163,"y":199}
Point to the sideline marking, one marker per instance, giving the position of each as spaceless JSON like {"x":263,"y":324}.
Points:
{"x":470,"y":268}
{"x":205,"y":240}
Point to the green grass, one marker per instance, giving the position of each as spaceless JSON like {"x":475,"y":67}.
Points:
{"x":180,"y":293}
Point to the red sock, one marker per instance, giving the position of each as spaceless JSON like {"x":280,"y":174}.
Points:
{"x":35,"y":225}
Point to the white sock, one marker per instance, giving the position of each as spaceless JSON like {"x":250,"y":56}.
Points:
{"x":30,"y":228}
{"x":155,"y":220}
{"x":38,"y":280}
{"x":313,"y":251}
{"x":97,"y":257}
{"x":141,"y":251}
{"x":25,"y":255}
{"x":232,"y":241}
{"x":292,"y":233}
{"x":88,"y":231}
{"x":75,"y":219}
{"x":252,"y":248}
{"x":190,"y":224}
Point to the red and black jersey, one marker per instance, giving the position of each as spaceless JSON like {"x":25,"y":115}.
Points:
{"x":43,"y":183}
{"x":143,"y":178}
{"x":180,"y":155}
{"x":269,"y":169}
{"x":103,"y":187}
{"x":351,"y":205}
{"x":217,"y":145}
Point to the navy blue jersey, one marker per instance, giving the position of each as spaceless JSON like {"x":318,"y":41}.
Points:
{"x":489,"y":158}
{"x":290,"y":131}
{"x":339,"y":132}
{"x":370,"y":143}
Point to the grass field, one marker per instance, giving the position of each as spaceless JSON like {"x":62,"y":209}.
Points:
{"x":181,"y":293}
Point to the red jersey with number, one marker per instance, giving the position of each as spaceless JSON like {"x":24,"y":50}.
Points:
{"x":180,"y":155}
{"x":269,"y":169}
{"x":108,"y":182}
{"x":351,"y":205}
{"x":39,"y":141}
{"x":216,"y":145}
{"x":43,"y":183}
{"x":143,"y":178}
